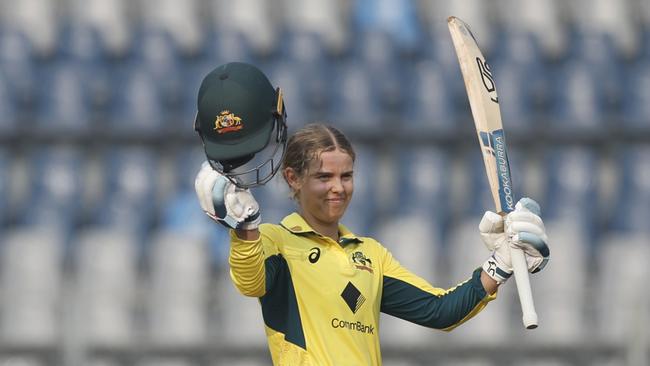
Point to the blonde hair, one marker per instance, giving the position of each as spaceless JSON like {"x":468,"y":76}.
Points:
{"x":306,"y":145}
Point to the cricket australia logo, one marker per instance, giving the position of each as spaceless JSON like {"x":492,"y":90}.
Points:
{"x":362,"y":262}
{"x":227,"y":122}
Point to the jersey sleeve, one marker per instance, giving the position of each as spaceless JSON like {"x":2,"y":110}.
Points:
{"x":411,"y":298}
{"x":252,"y":264}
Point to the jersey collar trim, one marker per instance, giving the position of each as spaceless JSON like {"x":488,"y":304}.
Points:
{"x":297,"y":225}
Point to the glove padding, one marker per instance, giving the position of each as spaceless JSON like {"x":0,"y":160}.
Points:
{"x":224,"y":202}
{"x":522,"y":229}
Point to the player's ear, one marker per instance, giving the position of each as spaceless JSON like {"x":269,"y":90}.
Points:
{"x":293,"y":179}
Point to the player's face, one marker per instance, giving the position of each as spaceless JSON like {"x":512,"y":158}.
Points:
{"x":326,"y":189}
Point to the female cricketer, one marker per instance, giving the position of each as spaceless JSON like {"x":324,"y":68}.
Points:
{"x":321,"y":287}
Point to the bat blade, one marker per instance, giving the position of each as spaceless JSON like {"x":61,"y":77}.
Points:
{"x":484,"y":103}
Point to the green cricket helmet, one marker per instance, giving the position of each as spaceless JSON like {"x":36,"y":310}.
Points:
{"x":242,"y":123}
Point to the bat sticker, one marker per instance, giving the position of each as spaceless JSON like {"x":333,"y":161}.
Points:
{"x":488,"y":81}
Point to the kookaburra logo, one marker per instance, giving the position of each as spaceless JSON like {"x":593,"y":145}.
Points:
{"x":362,"y":262}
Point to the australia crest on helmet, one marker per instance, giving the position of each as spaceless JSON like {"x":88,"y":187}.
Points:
{"x":227,"y":122}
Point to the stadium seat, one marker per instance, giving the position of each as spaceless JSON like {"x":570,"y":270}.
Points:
{"x":129,"y":198}
{"x":304,"y":55}
{"x":56,"y":190}
{"x":177,"y":300}
{"x":31,"y":284}
{"x":139,"y":107}
{"x":399,"y":19}
{"x":256,"y":21}
{"x":228,"y":46}
{"x":323,"y":18}
{"x":356,"y":105}
{"x":182,"y":21}
{"x":106,"y":286}
{"x":540,"y":20}
{"x":65,"y":107}
{"x":8,"y":112}
{"x":19,"y":69}
{"x":106,"y":19}
{"x":6,"y":161}
{"x":622,"y":314}
{"x":429,"y":106}
{"x":578,"y":107}
{"x":37,"y":20}
{"x":281,"y":74}
{"x":632,"y":201}
{"x":156,"y":52}
{"x":636,"y":98}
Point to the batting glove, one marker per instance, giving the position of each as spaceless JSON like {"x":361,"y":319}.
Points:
{"x":224,"y":202}
{"x":521,"y":229}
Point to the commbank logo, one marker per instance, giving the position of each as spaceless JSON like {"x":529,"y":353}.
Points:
{"x":352,"y":297}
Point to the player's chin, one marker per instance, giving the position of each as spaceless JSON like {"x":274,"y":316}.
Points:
{"x":335,"y":211}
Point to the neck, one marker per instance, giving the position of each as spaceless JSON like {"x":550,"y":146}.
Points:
{"x":330,"y":230}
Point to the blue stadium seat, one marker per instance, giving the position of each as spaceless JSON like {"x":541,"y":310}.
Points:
{"x":192,"y":73}
{"x":578,"y":106}
{"x":522,"y":80}
{"x":304,"y":54}
{"x":129,"y":201}
{"x":64,"y":108}
{"x":376,"y":53}
{"x":81,"y":42}
{"x":399,"y":19}
{"x":56,"y":189}
{"x":228,"y":46}
{"x":139,"y":107}
{"x":5,"y":186}
{"x":156,"y":52}
{"x":636,"y":98}
{"x":428,"y":105}
{"x":18,"y":66}
{"x":631,"y":211}
{"x":8,"y":112}
{"x":422,"y":181}
{"x":571,"y":188}
{"x":588,"y":85}
{"x":282,"y":74}
{"x":356,"y":103}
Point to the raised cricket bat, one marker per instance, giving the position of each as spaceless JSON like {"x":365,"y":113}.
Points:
{"x":484,"y":103}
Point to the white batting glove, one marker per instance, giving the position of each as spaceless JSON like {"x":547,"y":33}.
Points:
{"x":522,"y":229}
{"x":224,"y":202}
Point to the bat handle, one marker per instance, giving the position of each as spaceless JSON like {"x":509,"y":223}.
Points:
{"x":520,"y":269}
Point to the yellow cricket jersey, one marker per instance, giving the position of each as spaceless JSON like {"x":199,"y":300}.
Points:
{"x":321,"y":299}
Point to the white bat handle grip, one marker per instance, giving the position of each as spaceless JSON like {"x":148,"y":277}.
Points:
{"x":520,"y":269}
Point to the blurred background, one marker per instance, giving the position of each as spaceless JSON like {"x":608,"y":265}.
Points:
{"x":106,"y":258}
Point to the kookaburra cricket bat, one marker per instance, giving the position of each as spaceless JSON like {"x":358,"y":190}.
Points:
{"x":484,"y":103}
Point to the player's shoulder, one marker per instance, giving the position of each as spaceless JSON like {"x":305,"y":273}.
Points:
{"x":271,"y":229}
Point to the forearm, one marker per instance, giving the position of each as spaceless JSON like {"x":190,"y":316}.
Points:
{"x":489,"y":284}
{"x":247,"y":262}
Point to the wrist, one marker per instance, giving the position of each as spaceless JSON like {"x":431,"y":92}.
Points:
{"x":496,"y":269}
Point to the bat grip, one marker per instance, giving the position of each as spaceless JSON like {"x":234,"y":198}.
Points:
{"x":520,"y":269}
